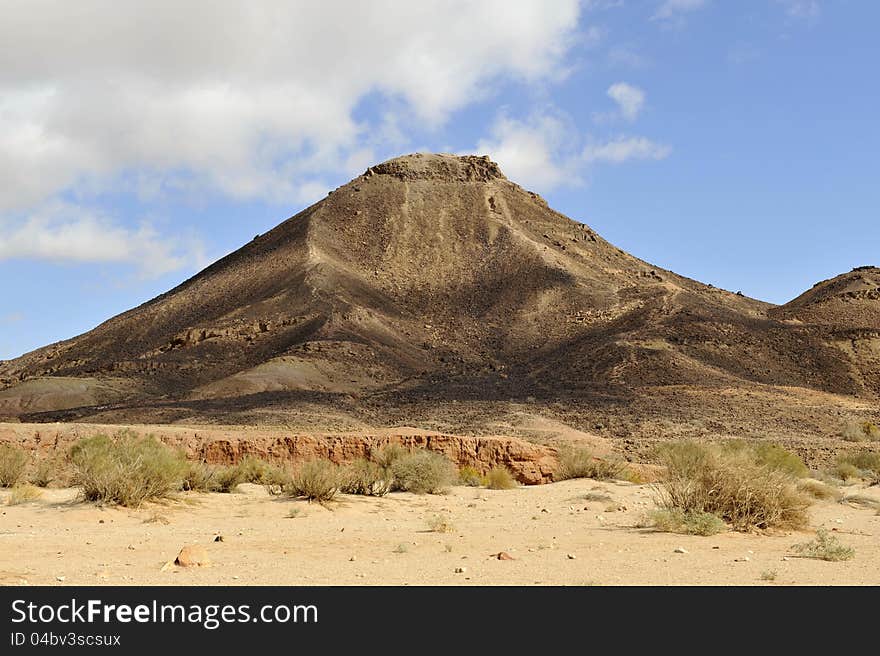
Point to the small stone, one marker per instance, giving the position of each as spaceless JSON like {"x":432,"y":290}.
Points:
{"x":503,"y":555}
{"x":570,"y":556}
{"x":352,"y":559}
{"x":219,"y":538}
{"x":460,"y":570}
{"x":130,"y":547}
{"x":192,"y":556}
{"x":60,"y":579}
{"x":785,"y":558}
{"x":681,"y":550}
{"x":744,"y":559}
{"x":235,"y":578}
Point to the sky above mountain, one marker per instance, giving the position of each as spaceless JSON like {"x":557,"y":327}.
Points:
{"x":734,"y":143}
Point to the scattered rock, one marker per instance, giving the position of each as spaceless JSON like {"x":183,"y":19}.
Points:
{"x":570,"y":556}
{"x":681,"y":550}
{"x":503,"y":555}
{"x":60,"y":579}
{"x":352,"y":559}
{"x":744,"y":559}
{"x":460,"y":570}
{"x":192,"y":556}
{"x":219,"y":538}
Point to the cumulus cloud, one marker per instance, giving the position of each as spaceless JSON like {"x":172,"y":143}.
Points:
{"x":672,"y":9}
{"x":629,"y":98}
{"x":62,"y":232}
{"x":622,"y":149}
{"x":533,"y":152}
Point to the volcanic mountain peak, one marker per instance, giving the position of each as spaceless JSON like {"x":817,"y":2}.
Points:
{"x":432,"y":278}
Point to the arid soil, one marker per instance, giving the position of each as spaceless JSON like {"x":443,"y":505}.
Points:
{"x":553,"y":535}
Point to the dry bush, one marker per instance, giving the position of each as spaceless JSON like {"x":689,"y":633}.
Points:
{"x":500,"y":478}
{"x":13,"y":462}
{"x":423,"y":472}
{"x":226,"y":479}
{"x":388,"y":454}
{"x":198,"y":477}
{"x":45,"y":470}
{"x":819,"y":490}
{"x":366,"y":478}
{"x":579,"y":462}
{"x":770,"y":454}
{"x":858,"y":464}
{"x":694,"y":522}
{"x":23,"y":494}
{"x":469,"y":476}
{"x":440,"y":524}
{"x":860,"y":431}
{"x":824,"y":547}
{"x":126,"y":469}
{"x":315,"y":480}
{"x":733,"y":484}
{"x":861,"y":501}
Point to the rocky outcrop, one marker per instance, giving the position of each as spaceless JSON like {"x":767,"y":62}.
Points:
{"x":530,"y":464}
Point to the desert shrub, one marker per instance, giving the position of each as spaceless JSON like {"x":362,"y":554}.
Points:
{"x":423,"y":472}
{"x":861,"y":501}
{"x":23,"y":494}
{"x":469,"y":476}
{"x":500,"y":478}
{"x":44,"y":471}
{"x":859,"y":464}
{"x":579,"y":462}
{"x":770,"y":454}
{"x":824,"y":547}
{"x":769,"y":575}
{"x":198,"y":477}
{"x":694,"y":522}
{"x":440,"y":524}
{"x":13,"y":462}
{"x":315,"y":480}
{"x":388,"y":454}
{"x":275,"y":478}
{"x":127,"y":469}
{"x":845,"y":471}
{"x":733,"y":484}
{"x":226,"y":479}
{"x":860,"y":431}
{"x":819,"y":490}
{"x":365,"y":477}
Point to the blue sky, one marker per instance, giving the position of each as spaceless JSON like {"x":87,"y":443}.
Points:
{"x":732,"y":142}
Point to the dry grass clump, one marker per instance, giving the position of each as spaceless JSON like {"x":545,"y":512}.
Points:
{"x":440,"y":524}
{"x":824,"y":547}
{"x":315,"y":480}
{"x":126,"y":469}
{"x":423,"y":472}
{"x":579,"y":462}
{"x":860,"y":431}
{"x":694,"y":522}
{"x":386,"y":455}
{"x":862,"y":464}
{"x":13,"y":462}
{"x":769,"y":454}
{"x":469,"y":476}
{"x":367,"y":478}
{"x":733,"y":484}
{"x":500,"y":478}
{"x":819,"y":490}
{"x":46,"y":470}
{"x":23,"y":494}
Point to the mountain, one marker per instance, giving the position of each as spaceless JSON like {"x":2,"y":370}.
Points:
{"x":432,"y":290}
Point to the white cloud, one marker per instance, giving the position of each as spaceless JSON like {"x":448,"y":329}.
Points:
{"x":239,"y":97}
{"x":671,"y":9}
{"x":535,"y":152}
{"x":629,"y":98}
{"x":61,"y":232}
{"x":625,"y":148}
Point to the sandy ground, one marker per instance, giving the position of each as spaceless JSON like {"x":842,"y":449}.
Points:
{"x":554,"y":536}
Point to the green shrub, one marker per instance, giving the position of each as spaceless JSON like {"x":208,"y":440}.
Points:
{"x":198,"y":477}
{"x":127,"y":469}
{"x":388,"y":454}
{"x":500,"y":478}
{"x":440,"y":524}
{"x":734,"y":484}
{"x":315,"y":480}
{"x":694,"y":522}
{"x":13,"y":462}
{"x":579,"y":462}
{"x":366,"y":478}
{"x":770,"y":454}
{"x":860,"y":431}
{"x":469,"y":476}
{"x":423,"y":472}
{"x":824,"y":547}
{"x":226,"y":479}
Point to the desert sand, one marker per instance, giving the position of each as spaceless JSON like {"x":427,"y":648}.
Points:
{"x":554,"y":536}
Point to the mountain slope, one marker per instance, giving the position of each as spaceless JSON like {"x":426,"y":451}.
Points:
{"x":432,"y":279}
